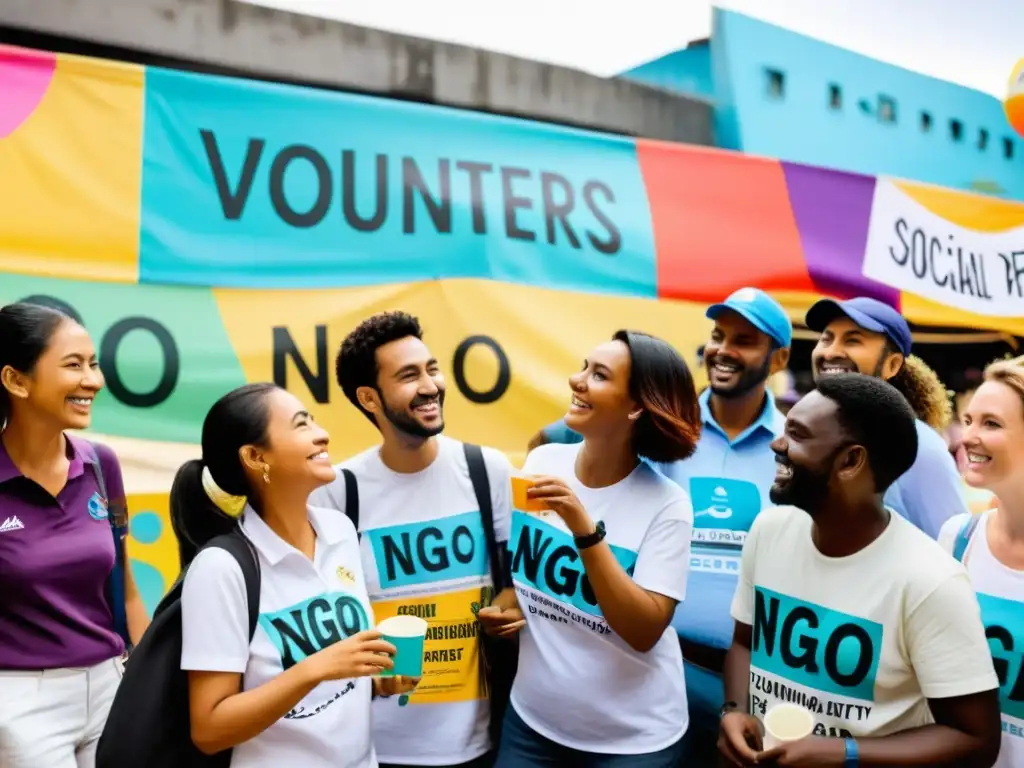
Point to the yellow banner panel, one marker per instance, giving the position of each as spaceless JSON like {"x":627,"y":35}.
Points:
{"x":71,"y":167}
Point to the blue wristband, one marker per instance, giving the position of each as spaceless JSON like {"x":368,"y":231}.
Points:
{"x":852,"y":755}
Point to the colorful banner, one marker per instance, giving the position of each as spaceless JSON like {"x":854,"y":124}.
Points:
{"x":169,"y":352}
{"x":210,"y":231}
{"x":171,"y":178}
{"x":978,"y":268}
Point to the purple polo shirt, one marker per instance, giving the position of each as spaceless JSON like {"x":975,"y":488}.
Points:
{"x":56,"y":555}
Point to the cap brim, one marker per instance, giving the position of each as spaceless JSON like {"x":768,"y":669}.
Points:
{"x":825,"y":311}
{"x":716,"y":309}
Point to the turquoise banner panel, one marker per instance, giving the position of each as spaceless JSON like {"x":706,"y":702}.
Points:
{"x":251,"y":184}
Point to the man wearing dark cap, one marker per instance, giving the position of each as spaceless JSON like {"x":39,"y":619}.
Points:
{"x":863,"y":335}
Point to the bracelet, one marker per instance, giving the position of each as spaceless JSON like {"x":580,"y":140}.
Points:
{"x":852,"y":755}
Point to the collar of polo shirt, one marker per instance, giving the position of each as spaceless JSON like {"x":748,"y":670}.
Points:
{"x":327,"y":524}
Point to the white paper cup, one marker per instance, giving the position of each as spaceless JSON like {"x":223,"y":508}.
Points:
{"x":407,"y":634}
{"x":786,"y":722}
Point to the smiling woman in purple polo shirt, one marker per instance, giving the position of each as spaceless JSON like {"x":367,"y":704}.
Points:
{"x":60,"y":647}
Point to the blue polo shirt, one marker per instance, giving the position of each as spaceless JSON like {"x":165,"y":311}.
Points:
{"x":728,"y":482}
{"x":931,"y":491}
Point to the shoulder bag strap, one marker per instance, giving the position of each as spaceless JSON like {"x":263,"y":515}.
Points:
{"x":482,"y":488}
{"x":244,"y":553}
{"x":352,"y":499}
{"x":118,"y":531}
{"x":963,"y":538}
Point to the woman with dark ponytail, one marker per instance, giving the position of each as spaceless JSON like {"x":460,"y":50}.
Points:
{"x":298,"y":693}
{"x":68,"y":603}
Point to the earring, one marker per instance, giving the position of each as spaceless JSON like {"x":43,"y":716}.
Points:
{"x":266,"y":473}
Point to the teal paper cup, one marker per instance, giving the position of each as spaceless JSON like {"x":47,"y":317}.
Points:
{"x":407,"y":634}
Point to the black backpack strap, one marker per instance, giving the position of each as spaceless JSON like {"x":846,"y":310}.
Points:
{"x":482,"y":488}
{"x":245,"y":555}
{"x":351,"y":498}
{"x":118,"y":529}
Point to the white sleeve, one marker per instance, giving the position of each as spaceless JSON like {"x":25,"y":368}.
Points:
{"x":499,"y":475}
{"x":663,"y":563}
{"x":949,"y":531}
{"x":214,"y":614}
{"x":743,"y":600}
{"x":946,"y":642}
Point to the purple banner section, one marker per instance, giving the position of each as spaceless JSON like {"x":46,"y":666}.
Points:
{"x":832,"y":212}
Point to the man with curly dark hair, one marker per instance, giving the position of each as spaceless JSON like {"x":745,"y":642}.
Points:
{"x":424,"y":543}
{"x":863,"y":335}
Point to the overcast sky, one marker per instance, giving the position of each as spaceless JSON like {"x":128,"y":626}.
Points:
{"x":971,"y":42}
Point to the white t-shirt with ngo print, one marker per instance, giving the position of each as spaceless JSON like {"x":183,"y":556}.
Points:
{"x":862,"y":641}
{"x":1001,"y":595}
{"x":579,"y":684}
{"x":305,"y":606}
{"x":424,"y":554}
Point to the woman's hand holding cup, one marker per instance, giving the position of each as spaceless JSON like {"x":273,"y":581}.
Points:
{"x":362,"y":655}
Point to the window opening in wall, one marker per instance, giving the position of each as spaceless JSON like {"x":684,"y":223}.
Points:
{"x":926,"y":122}
{"x":775,"y":83}
{"x":886,"y":109}
{"x":956,"y":130}
{"x":982,"y":139}
{"x":835,"y":97}
{"x":1008,"y":149}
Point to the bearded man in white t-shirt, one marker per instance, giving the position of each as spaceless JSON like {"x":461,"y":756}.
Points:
{"x":849,"y":610}
{"x":423,"y":543}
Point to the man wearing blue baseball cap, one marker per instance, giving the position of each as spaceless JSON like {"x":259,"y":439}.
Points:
{"x":728,"y":478}
{"x":864,"y":335}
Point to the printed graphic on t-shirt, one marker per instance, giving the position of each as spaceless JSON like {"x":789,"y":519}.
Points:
{"x":1004,"y":628}
{"x":817,"y":657}
{"x":419,"y":567}
{"x":305,"y":628}
{"x":451,"y":661}
{"x":422,"y":553}
{"x":723,"y":511}
{"x":98,"y":507}
{"x":546,"y":559}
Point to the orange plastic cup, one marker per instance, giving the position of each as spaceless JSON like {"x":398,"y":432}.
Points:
{"x":521,"y":501}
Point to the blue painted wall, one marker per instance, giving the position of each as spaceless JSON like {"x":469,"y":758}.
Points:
{"x":687,"y":71}
{"x":781,"y":94}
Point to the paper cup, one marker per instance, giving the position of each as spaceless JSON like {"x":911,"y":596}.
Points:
{"x":521,"y":501}
{"x":407,"y":634}
{"x":786,"y":722}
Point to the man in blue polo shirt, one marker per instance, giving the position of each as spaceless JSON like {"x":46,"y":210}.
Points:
{"x":863,"y":335}
{"x":728,"y":478}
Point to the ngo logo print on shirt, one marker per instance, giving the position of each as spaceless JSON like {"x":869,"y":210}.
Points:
{"x":451,"y":661}
{"x":305,"y":628}
{"x":428,"y":552}
{"x":425,"y":555}
{"x":98,"y":507}
{"x":724,"y":510}
{"x":822,"y":659}
{"x":1004,"y":628}
{"x":546,"y":558}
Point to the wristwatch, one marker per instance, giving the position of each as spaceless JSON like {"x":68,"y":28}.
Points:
{"x":590,"y":539}
{"x":729,"y":706}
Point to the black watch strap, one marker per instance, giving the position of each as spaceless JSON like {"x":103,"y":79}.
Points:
{"x":583,"y":542}
{"x":729,"y":706}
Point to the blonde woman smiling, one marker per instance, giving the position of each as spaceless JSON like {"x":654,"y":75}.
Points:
{"x":991,"y":545}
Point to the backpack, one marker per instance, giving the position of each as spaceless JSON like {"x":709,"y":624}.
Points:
{"x":499,"y":656}
{"x":119,"y":529}
{"x":148,"y":724}
{"x":963,"y":537}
